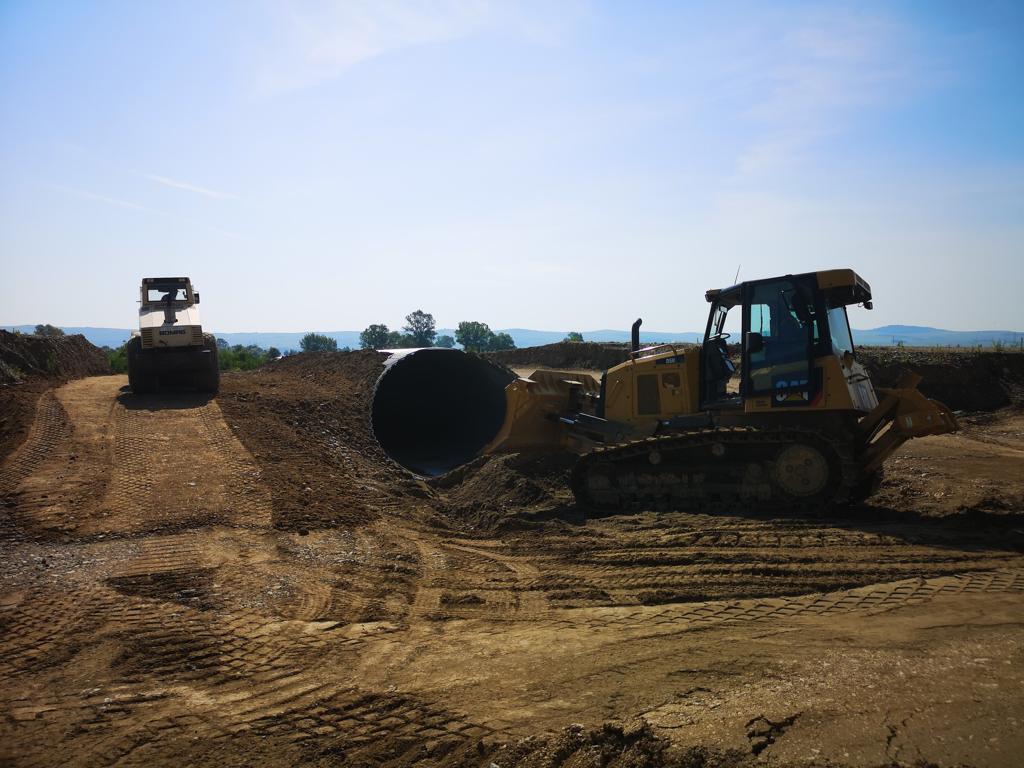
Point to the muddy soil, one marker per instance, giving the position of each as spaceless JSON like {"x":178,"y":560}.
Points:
{"x":586,"y":355}
{"x":963,"y":380}
{"x":31,"y":365}
{"x":248,"y":580}
{"x":305,"y":420}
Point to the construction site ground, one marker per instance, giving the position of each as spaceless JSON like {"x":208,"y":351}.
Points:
{"x":247,"y":580}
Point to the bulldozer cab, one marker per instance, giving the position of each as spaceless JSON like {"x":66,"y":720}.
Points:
{"x":787,"y":323}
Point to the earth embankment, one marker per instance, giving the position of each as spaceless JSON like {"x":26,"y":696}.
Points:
{"x":30,"y":365}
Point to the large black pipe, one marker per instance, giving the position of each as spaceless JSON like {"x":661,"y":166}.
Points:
{"x":435,"y":409}
{"x":635,"y":335}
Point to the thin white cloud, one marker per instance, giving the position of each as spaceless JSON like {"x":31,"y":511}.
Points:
{"x":187,"y":187}
{"x":101,"y":198}
{"x":810,"y":80}
{"x":83,"y":193}
{"x":322,"y":40}
{"x":311,"y":42}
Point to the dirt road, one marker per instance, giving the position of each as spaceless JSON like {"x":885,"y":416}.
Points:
{"x":159,"y":606}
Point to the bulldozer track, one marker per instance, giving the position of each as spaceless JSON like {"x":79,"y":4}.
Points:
{"x":672,"y":471}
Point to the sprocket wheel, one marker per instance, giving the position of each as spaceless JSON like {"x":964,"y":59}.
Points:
{"x":801,"y":470}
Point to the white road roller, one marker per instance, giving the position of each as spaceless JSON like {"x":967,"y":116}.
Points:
{"x":170,"y":347}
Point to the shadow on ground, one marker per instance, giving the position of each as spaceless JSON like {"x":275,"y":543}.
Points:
{"x":170,"y":399}
{"x":971,"y":530}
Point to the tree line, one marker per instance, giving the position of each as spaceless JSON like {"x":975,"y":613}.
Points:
{"x":420,"y":331}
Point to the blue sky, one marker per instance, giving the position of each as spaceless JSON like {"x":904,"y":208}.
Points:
{"x":531,"y":164}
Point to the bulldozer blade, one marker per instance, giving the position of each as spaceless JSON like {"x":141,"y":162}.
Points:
{"x":534,"y":410}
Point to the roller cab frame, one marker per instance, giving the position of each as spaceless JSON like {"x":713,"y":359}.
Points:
{"x":170,"y":347}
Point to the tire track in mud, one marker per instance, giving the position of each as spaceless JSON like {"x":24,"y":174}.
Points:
{"x":630,"y":651}
{"x":178,"y":466}
{"x":203,"y":611}
{"x":466,"y":579}
{"x":874,"y":598}
{"x":56,"y":492}
{"x":689,"y":558}
{"x":173,"y":619}
{"x":50,"y":427}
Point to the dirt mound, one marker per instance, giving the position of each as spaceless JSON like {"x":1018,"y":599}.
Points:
{"x":306,"y":420}
{"x":970,"y":381}
{"x":24,"y":357}
{"x":612,"y":746}
{"x":586,"y":355}
{"x":29,"y":365}
{"x":486,"y":493}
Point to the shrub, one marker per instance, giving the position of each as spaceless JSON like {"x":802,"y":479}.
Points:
{"x":317,"y":342}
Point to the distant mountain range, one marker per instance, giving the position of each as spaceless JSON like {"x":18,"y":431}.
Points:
{"x":887,"y":335}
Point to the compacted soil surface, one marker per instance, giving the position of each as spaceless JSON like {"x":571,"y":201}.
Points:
{"x":248,"y":580}
{"x":29,"y":366}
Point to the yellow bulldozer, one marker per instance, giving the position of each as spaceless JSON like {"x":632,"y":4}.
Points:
{"x":797,"y":425}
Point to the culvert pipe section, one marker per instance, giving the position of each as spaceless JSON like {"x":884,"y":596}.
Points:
{"x":435,"y":409}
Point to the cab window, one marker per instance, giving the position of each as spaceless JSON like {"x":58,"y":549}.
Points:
{"x":761,"y":319}
{"x":156,"y":293}
{"x":839,"y":328}
{"x":788,"y":326}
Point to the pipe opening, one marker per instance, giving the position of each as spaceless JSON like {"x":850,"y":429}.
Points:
{"x":435,"y":409}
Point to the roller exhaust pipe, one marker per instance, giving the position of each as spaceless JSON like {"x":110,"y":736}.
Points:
{"x":435,"y":409}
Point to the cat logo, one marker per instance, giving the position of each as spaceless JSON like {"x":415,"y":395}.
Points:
{"x":793,"y":396}
{"x":792,"y":393}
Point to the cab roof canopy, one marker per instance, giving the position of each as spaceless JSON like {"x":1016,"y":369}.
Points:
{"x":844,"y":286}
{"x":840,"y":286}
{"x":148,"y":280}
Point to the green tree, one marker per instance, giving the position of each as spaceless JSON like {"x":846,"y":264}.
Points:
{"x":420,"y":327}
{"x":474,"y":336}
{"x":239,"y":358}
{"x":573,"y":336}
{"x":273,"y":353}
{"x":118,"y":358}
{"x":374,"y":337}
{"x":500,"y":341}
{"x":317,"y":342}
{"x":398,"y":340}
{"x":48,"y":330}
{"x":445,"y":341}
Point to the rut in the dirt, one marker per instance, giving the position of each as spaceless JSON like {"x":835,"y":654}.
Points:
{"x":250,"y":580}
